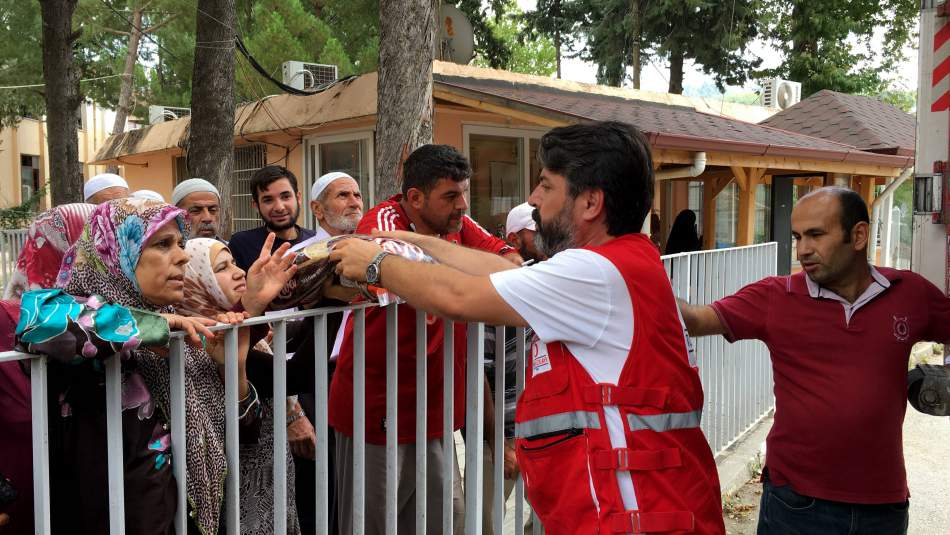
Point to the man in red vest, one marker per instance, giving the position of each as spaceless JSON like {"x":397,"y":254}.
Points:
{"x":607,"y":429}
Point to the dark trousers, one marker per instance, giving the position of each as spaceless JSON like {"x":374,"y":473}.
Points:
{"x":785,"y":512}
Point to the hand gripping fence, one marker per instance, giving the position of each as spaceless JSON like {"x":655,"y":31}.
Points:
{"x":736,"y":378}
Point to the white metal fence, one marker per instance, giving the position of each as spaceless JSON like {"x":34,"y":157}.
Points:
{"x":11,"y":243}
{"x":737,"y":378}
{"x":737,"y":381}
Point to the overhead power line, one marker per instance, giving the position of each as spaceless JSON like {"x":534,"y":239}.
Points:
{"x":41,"y":85}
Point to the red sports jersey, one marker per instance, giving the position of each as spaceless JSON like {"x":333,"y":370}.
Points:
{"x":386,"y":216}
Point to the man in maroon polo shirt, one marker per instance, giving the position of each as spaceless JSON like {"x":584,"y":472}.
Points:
{"x":840,"y":334}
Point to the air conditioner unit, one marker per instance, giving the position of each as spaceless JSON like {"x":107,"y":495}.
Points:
{"x":781,"y":94}
{"x":160,"y":114}
{"x":306,"y":76}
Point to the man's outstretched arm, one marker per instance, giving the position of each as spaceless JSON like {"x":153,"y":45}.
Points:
{"x":701,"y":320}
{"x":465,"y":259}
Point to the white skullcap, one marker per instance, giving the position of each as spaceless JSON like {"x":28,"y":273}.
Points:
{"x":324,"y":181}
{"x":193,"y":185}
{"x":101,"y":182}
{"x":148,"y":194}
{"x":519,"y":218}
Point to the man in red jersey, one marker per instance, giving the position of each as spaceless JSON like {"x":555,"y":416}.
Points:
{"x":607,"y":428}
{"x":840,"y":334}
{"x":432,"y":203}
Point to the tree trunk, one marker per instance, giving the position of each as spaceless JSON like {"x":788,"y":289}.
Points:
{"x":557,"y":51}
{"x":211,"y":140}
{"x":124,"y":106}
{"x":676,"y":69}
{"x":407,"y":41}
{"x":61,"y":79}
{"x":636,"y":39}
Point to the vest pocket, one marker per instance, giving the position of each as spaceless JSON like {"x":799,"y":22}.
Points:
{"x":558,"y":482}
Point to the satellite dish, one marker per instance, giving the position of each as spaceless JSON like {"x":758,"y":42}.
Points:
{"x":457,"y":38}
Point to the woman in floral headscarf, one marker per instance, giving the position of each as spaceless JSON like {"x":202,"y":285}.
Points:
{"x":50,"y":235}
{"x":131,"y":253}
{"x":214,"y":284}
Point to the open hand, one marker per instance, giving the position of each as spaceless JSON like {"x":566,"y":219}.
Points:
{"x":194,"y":326}
{"x":302,"y":438}
{"x":353,"y":256}
{"x":267,"y":276}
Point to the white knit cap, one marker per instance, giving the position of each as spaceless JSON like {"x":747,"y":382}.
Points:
{"x":324,"y":181}
{"x":519,"y":218}
{"x":193,"y":185}
{"x":101,"y":182}
{"x":148,"y":194}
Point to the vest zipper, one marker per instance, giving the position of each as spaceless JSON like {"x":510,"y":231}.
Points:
{"x":567,"y":435}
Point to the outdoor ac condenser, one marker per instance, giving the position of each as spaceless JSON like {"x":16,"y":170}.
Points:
{"x":781,"y":94}
{"x":160,"y":114}
{"x":307,"y":76}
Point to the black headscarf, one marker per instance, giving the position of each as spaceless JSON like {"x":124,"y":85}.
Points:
{"x":683,"y":237}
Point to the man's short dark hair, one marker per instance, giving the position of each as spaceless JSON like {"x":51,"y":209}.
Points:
{"x":853,"y":208}
{"x":610,"y":156}
{"x":430,"y":163}
{"x":265,"y":176}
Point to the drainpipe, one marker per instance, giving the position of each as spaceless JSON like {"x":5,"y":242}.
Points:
{"x":875,"y":215}
{"x":689,"y":171}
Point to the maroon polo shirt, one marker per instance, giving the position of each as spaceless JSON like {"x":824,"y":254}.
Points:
{"x":840,"y":372}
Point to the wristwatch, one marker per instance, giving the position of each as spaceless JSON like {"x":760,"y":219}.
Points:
{"x":372,"y":270}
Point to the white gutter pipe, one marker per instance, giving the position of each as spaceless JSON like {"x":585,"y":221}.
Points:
{"x":875,"y":215}
{"x":689,"y":171}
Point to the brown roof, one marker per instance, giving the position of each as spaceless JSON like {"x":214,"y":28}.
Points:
{"x":668,"y":126}
{"x":863,"y":122}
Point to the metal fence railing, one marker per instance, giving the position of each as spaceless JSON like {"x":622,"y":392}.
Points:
{"x":737,"y":381}
{"x":11,"y":243}
{"x":737,"y":378}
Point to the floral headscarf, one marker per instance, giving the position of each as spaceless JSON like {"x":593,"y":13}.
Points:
{"x":48,"y":238}
{"x":103,"y":263}
{"x":203,"y":294}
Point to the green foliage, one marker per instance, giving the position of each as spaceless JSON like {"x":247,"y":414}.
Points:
{"x":21,"y":216}
{"x":21,"y":62}
{"x":528,"y":55}
{"x":817,"y":41}
{"x":905,"y":99}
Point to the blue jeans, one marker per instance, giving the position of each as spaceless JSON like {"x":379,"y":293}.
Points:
{"x":785,"y":512}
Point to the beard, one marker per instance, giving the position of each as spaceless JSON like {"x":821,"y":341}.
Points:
{"x":205,"y":230}
{"x":291,"y":221}
{"x":446,"y":226}
{"x":345,"y":223}
{"x":556,"y":235}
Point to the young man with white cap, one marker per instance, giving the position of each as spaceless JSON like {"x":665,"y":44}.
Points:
{"x":520,"y":230}
{"x":105,"y":187}
{"x":337,"y":204}
{"x":202,"y":201}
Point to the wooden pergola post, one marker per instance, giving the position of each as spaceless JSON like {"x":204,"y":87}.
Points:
{"x":864,"y":185}
{"x":712,"y":187}
{"x":748,"y":179}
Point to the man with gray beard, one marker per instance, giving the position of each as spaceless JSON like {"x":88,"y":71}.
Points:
{"x":201,"y":200}
{"x":337,"y":203}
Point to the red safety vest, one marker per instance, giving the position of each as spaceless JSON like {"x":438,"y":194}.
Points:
{"x":563,"y":445}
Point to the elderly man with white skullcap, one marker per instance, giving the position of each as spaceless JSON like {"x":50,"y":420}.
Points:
{"x":201,"y":200}
{"x":105,"y":187}
{"x":337,"y":203}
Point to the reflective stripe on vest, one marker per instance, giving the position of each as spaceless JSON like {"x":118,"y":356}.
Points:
{"x":554,"y":423}
{"x":664,"y":422}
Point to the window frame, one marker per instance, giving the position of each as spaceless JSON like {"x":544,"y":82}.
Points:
{"x":311,"y":165}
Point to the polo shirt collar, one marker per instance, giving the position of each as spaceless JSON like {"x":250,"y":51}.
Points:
{"x":815,"y":290}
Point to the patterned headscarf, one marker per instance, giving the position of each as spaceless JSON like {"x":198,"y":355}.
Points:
{"x":103,"y":262}
{"x":203,"y":294}
{"x":48,"y":238}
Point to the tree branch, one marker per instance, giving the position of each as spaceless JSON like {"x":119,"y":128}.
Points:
{"x":117,"y":32}
{"x":155,"y":27}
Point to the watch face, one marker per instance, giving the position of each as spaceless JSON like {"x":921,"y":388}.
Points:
{"x":372,"y":274}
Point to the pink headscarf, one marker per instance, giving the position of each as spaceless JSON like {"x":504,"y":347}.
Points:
{"x":50,"y":235}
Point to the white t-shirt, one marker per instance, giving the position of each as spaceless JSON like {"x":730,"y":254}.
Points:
{"x":579,"y":298}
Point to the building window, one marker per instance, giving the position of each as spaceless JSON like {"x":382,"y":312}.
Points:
{"x":695,"y":203}
{"x":497,"y":183}
{"x":763,"y":213}
{"x":181,"y":169}
{"x":505,"y":169}
{"x":727,"y":215}
{"x":247,"y":160}
{"x":350,"y":153}
{"x":29,"y":176}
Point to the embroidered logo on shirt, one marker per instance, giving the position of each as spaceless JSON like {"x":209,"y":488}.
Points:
{"x":540,"y":362}
{"x":901,"y":328}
